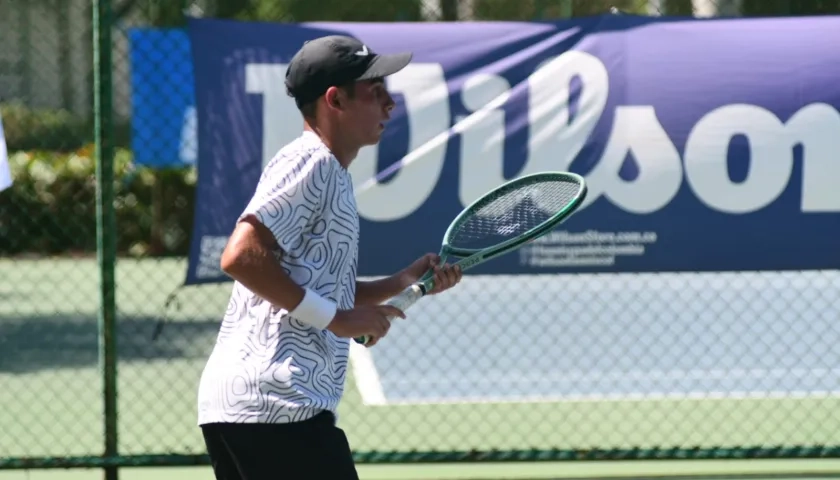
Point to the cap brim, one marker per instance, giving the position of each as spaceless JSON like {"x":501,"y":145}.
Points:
{"x":385,"y":65}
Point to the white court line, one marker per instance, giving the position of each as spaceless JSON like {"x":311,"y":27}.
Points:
{"x":370,"y":388}
{"x":405,"y":402}
{"x":653,"y":376}
{"x":366,"y":375}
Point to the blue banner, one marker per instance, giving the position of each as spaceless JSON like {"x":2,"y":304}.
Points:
{"x":163,"y":120}
{"x":708,"y":145}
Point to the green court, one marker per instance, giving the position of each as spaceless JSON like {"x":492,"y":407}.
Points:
{"x":729,"y":469}
{"x":51,"y":392}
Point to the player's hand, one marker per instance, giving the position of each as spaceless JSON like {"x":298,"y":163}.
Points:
{"x":446,"y":276}
{"x":371,"y":320}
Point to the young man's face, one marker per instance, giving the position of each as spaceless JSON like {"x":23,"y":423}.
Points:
{"x":367,"y":111}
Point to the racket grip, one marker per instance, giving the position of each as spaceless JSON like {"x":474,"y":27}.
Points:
{"x":402,"y":301}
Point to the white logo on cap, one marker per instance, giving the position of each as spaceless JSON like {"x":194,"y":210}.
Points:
{"x":363,"y":52}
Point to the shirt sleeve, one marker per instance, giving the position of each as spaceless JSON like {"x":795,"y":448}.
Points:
{"x":289,"y":195}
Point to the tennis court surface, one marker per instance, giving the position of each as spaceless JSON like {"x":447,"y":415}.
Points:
{"x":718,"y":470}
{"x":529,"y":363}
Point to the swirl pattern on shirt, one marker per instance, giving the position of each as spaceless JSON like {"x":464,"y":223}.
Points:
{"x":266,"y":366}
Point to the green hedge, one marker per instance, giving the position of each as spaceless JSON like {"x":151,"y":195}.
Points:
{"x":55,"y":130}
{"x":50,"y":209}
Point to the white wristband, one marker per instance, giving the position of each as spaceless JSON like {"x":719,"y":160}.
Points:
{"x":314,"y":310}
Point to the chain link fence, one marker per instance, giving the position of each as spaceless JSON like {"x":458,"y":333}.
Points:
{"x":765,"y":326}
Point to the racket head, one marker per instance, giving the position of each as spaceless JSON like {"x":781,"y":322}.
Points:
{"x":514,"y":213}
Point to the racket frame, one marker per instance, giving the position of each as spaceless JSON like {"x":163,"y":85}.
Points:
{"x":470,"y":257}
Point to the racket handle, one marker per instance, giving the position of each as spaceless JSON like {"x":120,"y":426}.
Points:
{"x":402,"y":301}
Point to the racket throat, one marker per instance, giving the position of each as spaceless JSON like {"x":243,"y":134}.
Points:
{"x":470,"y":261}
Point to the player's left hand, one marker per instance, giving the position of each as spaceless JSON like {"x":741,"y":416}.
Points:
{"x":446,"y":276}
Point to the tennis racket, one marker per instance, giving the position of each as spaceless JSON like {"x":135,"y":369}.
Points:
{"x":500,"y":222}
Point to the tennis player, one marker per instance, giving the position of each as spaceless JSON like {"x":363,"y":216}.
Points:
{"x":269,"y":391}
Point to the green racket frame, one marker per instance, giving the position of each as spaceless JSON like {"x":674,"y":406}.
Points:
{"x":470,"y":257}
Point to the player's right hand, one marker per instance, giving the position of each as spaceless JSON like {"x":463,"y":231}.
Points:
{"x":365,"y":320}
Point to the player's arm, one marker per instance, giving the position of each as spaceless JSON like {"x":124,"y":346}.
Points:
{"x":288,"y":195}
{"x":249,"y":259}
{"x":374,"y":292}
{"x":377,"y":291}
{"x":282,"y":207}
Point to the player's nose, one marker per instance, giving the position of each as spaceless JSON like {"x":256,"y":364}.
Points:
{"x":389,"y":102}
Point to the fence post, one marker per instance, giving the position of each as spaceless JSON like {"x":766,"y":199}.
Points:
{"x":105,"y":222}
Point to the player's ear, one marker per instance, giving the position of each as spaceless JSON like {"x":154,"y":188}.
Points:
{"x":333,"y":98}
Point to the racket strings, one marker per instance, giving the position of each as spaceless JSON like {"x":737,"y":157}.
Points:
{"x":513,"y":213}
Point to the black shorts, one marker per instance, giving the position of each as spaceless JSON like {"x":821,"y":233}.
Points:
{"x":313,"y":449}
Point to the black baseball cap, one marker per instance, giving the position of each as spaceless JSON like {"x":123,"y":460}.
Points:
{"x":336,"y":60}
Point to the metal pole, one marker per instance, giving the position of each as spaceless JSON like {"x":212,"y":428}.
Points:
{"x":105,"y":222}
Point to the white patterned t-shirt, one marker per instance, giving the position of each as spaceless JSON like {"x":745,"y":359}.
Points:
{"x":267,"y":367}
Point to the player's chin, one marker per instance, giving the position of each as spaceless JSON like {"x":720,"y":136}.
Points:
{"x":375,"y":135}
